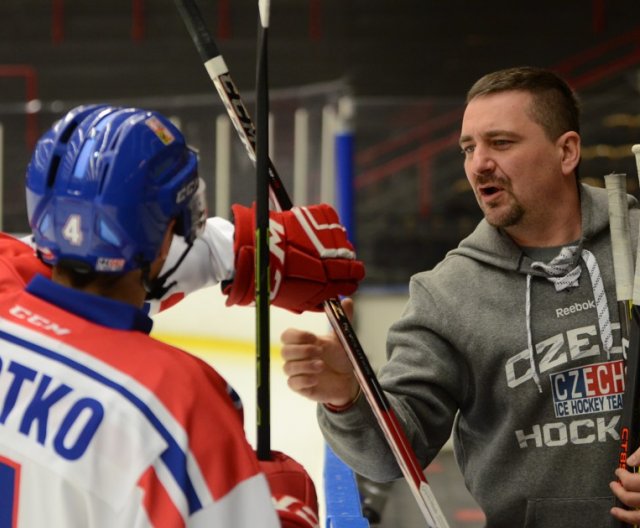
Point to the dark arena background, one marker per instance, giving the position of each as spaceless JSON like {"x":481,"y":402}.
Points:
{"x":391,"y":73}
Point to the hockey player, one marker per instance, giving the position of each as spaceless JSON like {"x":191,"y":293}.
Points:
{"x":101,"y":425}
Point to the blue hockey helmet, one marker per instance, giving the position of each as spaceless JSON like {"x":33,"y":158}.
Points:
{"x":103,"y":184}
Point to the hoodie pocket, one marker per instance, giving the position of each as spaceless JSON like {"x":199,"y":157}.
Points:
{"x":568,"y":513}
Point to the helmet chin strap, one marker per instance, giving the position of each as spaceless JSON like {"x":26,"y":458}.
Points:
{"x":156,"y":288}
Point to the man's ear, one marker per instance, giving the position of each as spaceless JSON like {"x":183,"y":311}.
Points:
{"x":569,"y":148}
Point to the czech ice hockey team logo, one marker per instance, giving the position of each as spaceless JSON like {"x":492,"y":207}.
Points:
{"x":589,"y":389}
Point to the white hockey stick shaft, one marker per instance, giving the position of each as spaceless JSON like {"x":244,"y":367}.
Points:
{"x":621,"y":247}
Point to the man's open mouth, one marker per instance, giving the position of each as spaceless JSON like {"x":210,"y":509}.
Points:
{"x":489,"y":190}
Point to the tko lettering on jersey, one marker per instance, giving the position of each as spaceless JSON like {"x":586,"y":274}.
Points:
{"x":28,"y":401}
{"x":587,"y":390}
{"x":575,"y":308}
{"x":555,"y":351}
{"x":37,"y":320}
{"x":585,"y":431}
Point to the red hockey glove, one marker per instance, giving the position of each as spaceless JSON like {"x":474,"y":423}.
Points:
{"x":292,"y":490}
{"x":311,"y":258}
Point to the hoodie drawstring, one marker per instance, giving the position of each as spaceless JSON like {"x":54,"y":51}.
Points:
{"x":532,"y":361}
{"x":563,"y":275}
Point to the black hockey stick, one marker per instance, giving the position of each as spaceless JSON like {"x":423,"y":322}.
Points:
{"x":262,"y":273}
{"x":393,"y":431}
{"x":628,"y":295}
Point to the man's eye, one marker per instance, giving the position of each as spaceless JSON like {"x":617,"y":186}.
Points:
{"x":501,"y":143}
{"x":467,"y":150}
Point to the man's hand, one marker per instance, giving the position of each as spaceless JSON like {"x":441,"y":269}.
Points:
{"x":311,"y":258}
{"x":627,"y":490}
{"x":317,"y":367}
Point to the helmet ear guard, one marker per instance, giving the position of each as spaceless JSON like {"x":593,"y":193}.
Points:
{"x":190,"y":224}
{"x":103,"y":185}
{"x":196,"y":213}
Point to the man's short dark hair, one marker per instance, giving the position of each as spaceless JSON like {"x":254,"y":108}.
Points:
{"x":555,"y":105}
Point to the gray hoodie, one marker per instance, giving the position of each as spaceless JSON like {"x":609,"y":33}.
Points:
{"x":519,"y":368}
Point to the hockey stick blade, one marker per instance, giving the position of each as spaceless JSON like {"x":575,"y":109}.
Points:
{"x":394,"y":434}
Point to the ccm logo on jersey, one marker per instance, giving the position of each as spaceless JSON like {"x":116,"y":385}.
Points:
{"x":37,"y":320}
{"x":27,"y":403}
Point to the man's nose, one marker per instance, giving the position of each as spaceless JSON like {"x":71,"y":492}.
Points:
{"x":482,"y":161}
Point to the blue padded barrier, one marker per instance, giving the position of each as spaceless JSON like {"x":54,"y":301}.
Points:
{"x":342,"y":498}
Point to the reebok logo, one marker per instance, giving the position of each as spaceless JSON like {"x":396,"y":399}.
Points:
{"x":574,"y":308}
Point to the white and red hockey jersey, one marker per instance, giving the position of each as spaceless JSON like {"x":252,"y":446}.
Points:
{"x":103,"y":426}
